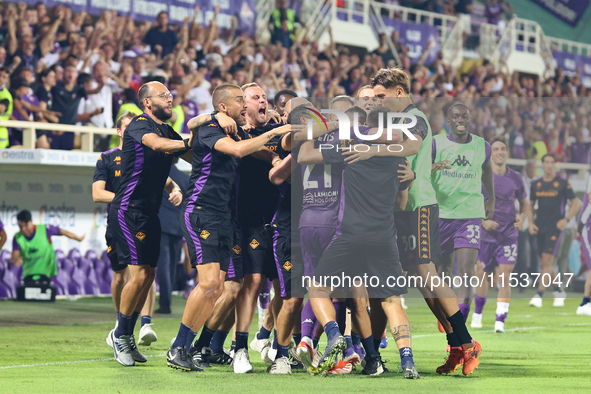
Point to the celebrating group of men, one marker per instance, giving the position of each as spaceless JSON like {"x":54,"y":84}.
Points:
{"x":285,"y":196}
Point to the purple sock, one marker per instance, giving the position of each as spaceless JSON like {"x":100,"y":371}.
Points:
{"x":341,"y":314}
{"x":308,"y":321}
{"x":479,"y":304}
{"x":501,"y":317}
{"x":465,"y":309}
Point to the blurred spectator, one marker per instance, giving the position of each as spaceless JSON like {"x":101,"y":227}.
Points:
{"x":282,"y":23}
{"x":6,"y":97}
{"x":160,"y":38}
{"x":495,"y":9}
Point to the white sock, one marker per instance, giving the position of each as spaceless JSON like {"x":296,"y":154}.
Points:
{"x":502,"y":307}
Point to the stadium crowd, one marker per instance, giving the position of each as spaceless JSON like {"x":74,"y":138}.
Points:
{"x":103,"y":61}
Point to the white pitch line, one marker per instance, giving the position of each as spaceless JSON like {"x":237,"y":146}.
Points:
{"x":68,"y":362}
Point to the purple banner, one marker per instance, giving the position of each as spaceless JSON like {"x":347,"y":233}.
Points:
{"x":571,"y":64}
{"x":147,"y":10}
{"x":416,"y":37}
{"x":568,"y":11}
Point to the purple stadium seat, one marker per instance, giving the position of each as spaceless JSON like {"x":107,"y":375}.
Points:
{"x":5,"y":291}
{"x":18,"y":273}
{"x":74,"y":255}
{"x":5,"y":256}
{"x":61,"y":282}
{"x":10,"y":280}
{"x":90,"y":283}
{"x":67,"y":266}
{"x":91,"y":255}
{"x":59,"y":255}
{"x":77,"y":279}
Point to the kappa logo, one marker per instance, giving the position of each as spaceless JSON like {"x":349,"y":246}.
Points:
{"x":254,"y":244}
{"x":204,"y":234}
{"x":308,"y":321}
{"x":141,"y":118}
{"x":287,"y":266}
{"x":237,"y":249}
{"x":140,"y":236}
{"x":118,"y":158}
{"x":539,"y":185}
{"x":109,"y":249}
{"x":474,"y":241}
{"x":461,"y":161}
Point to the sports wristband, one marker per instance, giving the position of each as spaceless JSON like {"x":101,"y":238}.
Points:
{"x":186,"y":141}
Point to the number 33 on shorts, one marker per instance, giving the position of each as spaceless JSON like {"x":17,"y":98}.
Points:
{"x":473,"y":233}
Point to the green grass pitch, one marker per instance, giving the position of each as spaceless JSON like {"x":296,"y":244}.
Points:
{"x":61,"y":347}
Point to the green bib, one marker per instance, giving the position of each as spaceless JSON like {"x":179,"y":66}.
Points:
{"x":180,"y":119}
{"x":459,"y":189}
{"x":37,"y":254}
{"x":421,"y":193}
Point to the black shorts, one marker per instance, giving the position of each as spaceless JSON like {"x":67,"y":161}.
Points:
{"x":548,"y":240}
{"x":112,"y":252}
{"x":209,"y":238}
{"x":257,"y":251}
{"x":418,"y":236}
{"x":283,"y":260}
{"x":236,"y":266}
{"x":135,"y":237}
{"x":348,"y":258}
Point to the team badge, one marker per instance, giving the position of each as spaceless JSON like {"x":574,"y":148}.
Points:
{"x":287,"y":266}
{"x":555,"y":184}
{"x":109,"y":249}
{"x":237,"y":249}
{"x":204,"y":234}
{"x":254,"y":244}
{"x":140,"y":236}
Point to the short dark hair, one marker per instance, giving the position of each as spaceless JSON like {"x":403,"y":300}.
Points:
{"x":221,"y":94}
{"x":129,"y":95}
{"x":362,"y":117}
{"x":83,"y":78}
{"x":456,"y":104}
{"x":296,"y":114}
{"x":389,"y":78}
{"x":373,"y":118}
{"x":144,"y":92}
{"x":549,"y":155}
{"x":24,"y":216}
{"x":283,"y":92}
{"x":342,"y":97}
{"x":499,"y":139}
{"x":125,"y":115}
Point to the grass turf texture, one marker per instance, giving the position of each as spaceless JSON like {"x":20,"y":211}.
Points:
{"x":61,"y":347}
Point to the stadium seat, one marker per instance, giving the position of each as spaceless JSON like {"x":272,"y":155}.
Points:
{"x":77,"y":280}
{"x":67,"y":266}
{"x":74,"y":255}
{"x":5,"y":290}
{"x":59,"y":255}
{"x":61,"y":282}
{"x":91,"y":255}
{"x":5,"y":256}
{"x":10,"y":280}
{"x":18,"y":273}
{"x":91,"y":285}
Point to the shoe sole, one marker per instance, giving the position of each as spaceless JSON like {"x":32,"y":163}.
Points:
{"x":412,"y":374}
{"x":305,"y":357}
{"x":147,"y":339}
{"x":330,"y":360}
{"x":174,"y":366}
{"x":248,"y":371}
{"x":378,"y":372}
